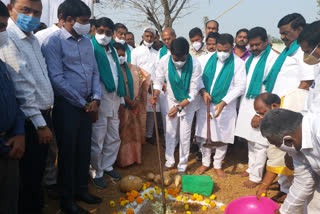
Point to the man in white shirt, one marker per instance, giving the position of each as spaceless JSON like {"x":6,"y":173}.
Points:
{"x":120,"y":31}
{"x":258,"y":66}
{"x":222,"y":69}
{"x":28,"y":70}
{"x":182,"y":72}
{"x":146,"y":58}
{"x":309,"y":39}
{"x":105,"y":131}
{"x":211,"y":44}
{"x":299,"y":136}
{"x":43,"y":34}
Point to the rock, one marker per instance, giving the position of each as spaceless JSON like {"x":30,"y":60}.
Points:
{"x":177,"y":180}
{"x":150,"y":176}
{"x":157,"y":179}
{"x":129,"y":183}
{"x":167,"y":180}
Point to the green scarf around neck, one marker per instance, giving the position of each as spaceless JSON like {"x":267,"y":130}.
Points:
{"x":223,"y":81}
{"x":273,"y":74}
{"x":105,"y":69}
{"x":163,"y":51}
{"x":128,"y":51}
{"x":180,"y":86}
{"x":257,"y":76}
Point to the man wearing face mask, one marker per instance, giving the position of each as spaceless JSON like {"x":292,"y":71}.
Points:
{"x":74,"y":74}
{"x":197,"y":47}
{"x":223,"y":81}
{"x":12,"y":140}
{"x":120,"y":31}
{"x":298,"y":136}
{"x":105,"y":131}
{"x":146,"y":58}
{"x":309,"y":40}
{"x":258,"y":66}
{"x":35,"y":94}
{"x":241,"y":40}
{"x":182,"y":72}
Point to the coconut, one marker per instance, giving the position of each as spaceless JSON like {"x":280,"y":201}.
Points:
{"x":129,"y":183}
{"x":150,"y":176}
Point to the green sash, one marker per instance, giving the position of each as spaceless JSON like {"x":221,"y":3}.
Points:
{"x":223,"y":81}
{"x":163,"y":51}
{"x":273,"y":74}
{"x":257,"y":76}
{"x":180,"y":86}
{"x":130,"y":81}
{"x":105,"y":69}
{"x":128,"y":51}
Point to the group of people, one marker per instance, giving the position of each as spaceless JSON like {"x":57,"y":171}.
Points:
{"x":81,"y":92}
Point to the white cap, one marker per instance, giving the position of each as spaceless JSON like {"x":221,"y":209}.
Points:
{"x":150,"y":29}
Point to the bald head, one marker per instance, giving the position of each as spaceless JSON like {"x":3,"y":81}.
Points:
{"x":266,"y":102}
{"x":168,"y":35}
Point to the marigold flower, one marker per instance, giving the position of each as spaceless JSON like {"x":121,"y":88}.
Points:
{"x":145,"y":195}
{"x":122,"y":203}
{"x":213,"y":204}
{"x":148,"y":184}
{"x":130,"y":211}
{"x":204,"y":208}
{"x":193,"y":198}
{"x":185,"y":199}
{"x":212,"y":197}
{"x":207,"y":201}
{"x":179,"y":198}
{"x":223,"y":208}
{"x":112,"y":204}
{"x":121,"y":199}
{"x":200,"y":198}
{"x":188,"y":212}
{"x":151,"y":192}
{"x":151,"y":197}
{"x":135,"y":193}
{"x":186,"y":206}
{"x":131,"y":198}
{"x":139,"y":200}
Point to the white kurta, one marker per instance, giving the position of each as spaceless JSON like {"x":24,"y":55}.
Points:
{"x":181,"y":124}
{"x":44,"y":34}
{"x":105,"y":131}
{"x":223,"y":127}
{"x":246,"y":111}
{"x":313,"y":98}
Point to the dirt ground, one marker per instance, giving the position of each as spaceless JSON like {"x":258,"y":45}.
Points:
{"x":226,"y":189}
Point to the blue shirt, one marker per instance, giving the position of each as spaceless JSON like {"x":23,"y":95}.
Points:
{"x":72,"y":67}
{"x":11,"y":117}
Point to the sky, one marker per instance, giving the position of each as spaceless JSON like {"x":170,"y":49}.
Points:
{"x":248,"y":14}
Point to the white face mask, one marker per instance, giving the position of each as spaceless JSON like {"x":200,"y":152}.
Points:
{"x":3,"y":38}
{"x":290,"y":150}
{"x":102,"y":39}
{"x":179,"y":64}
{"x":197,"y":45}
{"x":81,"y":29}
{"x":122,"y":59}
{"x":147,"y":44}
{"x":223,"y":56}
{"x":120,"y":40}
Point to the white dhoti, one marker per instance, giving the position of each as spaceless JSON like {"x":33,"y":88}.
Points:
{"x":183,"y":125}
{"x":257,"y":161}
{"x":218,"y":156}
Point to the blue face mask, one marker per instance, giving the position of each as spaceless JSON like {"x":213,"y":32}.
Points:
{"x":27,"y":23}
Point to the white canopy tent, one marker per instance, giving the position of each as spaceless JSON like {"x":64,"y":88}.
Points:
{"x":50,"y":9}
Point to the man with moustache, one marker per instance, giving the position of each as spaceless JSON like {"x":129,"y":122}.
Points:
{"x":241,"y":40}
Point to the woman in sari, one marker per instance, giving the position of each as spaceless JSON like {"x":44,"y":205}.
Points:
{"x":133,"y":113}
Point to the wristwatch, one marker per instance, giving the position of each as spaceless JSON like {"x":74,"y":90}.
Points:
{"x":179,"y":108}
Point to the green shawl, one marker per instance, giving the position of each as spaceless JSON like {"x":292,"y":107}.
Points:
{"x":257,"y":76}
{"x":273,"y":74}
{"x":105,"y":69}
{"x":180,"y":86}
{"x":223,"y":81}
{"x":163,"y":51}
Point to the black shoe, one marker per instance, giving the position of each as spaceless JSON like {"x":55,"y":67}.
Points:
{"x":72,"y":208}
{"x":114,"y":174}
{"x":88,"y":198}
{"x":199,"y":156}
{"x":194,"y":148}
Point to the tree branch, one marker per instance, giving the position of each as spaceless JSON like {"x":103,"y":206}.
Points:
{"x":178,"y":11}
{"x":173,"y":6}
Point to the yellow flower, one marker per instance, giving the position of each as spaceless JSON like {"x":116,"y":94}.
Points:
{"x":127,"y":201}
{"x":212,"y":197}
{"x":207,"y":201}
{"x":119,"y":213}
{"x":151,"y":197}
{"x":200,"y":198}
{"x":223,"y":208}
{"x":195,"y":195}
{"x":144,"y":187}
{"x":112,"y":204}
{"x":186,"y":206}
{"x":185,"y":199}
{"x":151,"y":192}
{"x":204,"y":208}
{"x":263,"y":195}
{"x":145,"y":195}
{"x":156,"y":187}
{"x":157,"y":191}
{"x":188,"y":212}
{"x":166,"y":195}
{"x":165,"y":190}
{"x":122,"y":203}
{"x":179,"y":198}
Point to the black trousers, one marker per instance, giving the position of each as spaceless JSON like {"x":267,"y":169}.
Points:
{"x":73,"y":132}
{"x":9,"y":186}
{"x":32,"y":167}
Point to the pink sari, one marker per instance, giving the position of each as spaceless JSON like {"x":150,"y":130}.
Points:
{"x":132,"y":127}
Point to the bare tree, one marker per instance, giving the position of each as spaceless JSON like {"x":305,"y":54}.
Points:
{"x":161,"y":13}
